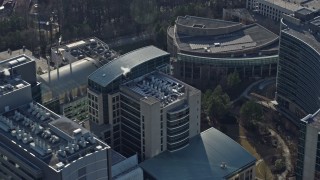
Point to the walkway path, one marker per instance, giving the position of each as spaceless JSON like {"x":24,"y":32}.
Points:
{"x":249,"y":88}
{"x":286,"y":155}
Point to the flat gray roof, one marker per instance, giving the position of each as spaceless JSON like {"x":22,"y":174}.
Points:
{"x":192,"y":21}
{"x":68,"y":80}
{"x":252,"y":37}
{"x":109,"y":72}
{"x":202,"y":159}
{"x":302,"y":32}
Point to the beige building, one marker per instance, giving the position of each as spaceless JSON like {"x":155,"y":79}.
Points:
{"x":275,"y":8}
{"x":158,"y":113}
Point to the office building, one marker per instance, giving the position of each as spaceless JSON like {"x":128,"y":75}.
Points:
{"x":64,"y":86}
{"x":104,"y":84}
{"x":308,"y":166}
{"x":210,"y":155}
{"x":274,"y":9}
{"x":209,"y":49}
{"x":138,"y":109}
{"x":158,"y":113}
{"x":23,"y":67}
{"x":298,"y":78}
{"x":13,"y":90}
{"x":36,"y":143}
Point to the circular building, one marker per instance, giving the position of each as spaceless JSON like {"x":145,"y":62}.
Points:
{"x":209,"y":49}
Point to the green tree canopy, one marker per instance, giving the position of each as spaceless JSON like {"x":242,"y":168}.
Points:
{"x":220,"y":102}
{"x":233,"y":79}
{"x":250,"y":111}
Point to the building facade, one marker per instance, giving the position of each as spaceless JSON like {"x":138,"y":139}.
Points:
{"x":36,"y":143}
{"x":104,"y":84}
{"x":308,"y":166}
{"x":158,"y":113}
{"x":24,"y":67}
{"x":298,"y":70}
{"x":209,"y":49}
{"x":72,"y":64}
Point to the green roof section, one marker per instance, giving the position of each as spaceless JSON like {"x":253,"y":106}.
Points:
{"x":114,"y":69}
{"x":202,"y":159}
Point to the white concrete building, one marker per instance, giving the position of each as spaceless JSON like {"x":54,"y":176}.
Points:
{"x":158,"y":113}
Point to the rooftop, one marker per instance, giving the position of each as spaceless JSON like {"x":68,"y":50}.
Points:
{"x":249,"y":38}
{"x":92,"y":47}
{"x":5,"y":55}
{"x":313,"y":119}
{"x":291,"y":5}
{"x":114,"y":69}
{"x":200,"y":22}
{"x":9,"y":84}
{"x":163,"y":88}
{"x":52,"y":139}
{"x":303,"y":33}
{"x":204,"y":158}
{"x":68,"y":79}
{"x":14,"y":61}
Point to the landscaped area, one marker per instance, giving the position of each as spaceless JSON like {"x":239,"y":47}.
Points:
{"x":260,"y":130}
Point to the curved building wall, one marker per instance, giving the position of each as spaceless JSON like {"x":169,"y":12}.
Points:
{"x":196,"y":69}
{"x":298,"y":82}
{"x":178,"y":129}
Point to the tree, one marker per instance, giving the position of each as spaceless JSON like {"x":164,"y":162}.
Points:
{"x":251,"y":112}
{"x":220,"y":102}
{"x":207,"y":101}
{"x":233,"y":79}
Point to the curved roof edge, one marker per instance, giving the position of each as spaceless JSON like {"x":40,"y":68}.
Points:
{"x":109,"y":72}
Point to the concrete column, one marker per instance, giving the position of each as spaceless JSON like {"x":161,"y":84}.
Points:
{"x":261,"y":70}
{"x":244,"y":72}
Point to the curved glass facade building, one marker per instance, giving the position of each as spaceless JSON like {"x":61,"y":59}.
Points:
{"x":209,"y":49}
{"x":298,"y":79}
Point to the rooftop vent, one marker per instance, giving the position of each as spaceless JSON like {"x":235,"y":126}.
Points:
{"x":223,"y":165}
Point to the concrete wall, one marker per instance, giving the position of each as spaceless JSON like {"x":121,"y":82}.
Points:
{"x":16,"y":98}
{"x":310,"y":152}
{"x":151,"y":114}
{"x":194,"y":101}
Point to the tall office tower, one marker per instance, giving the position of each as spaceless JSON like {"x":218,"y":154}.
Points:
{"x":298,"y":79}
{"x":308,"y":166}
{"x":158,"y":113}
{"x":104,"y":94}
